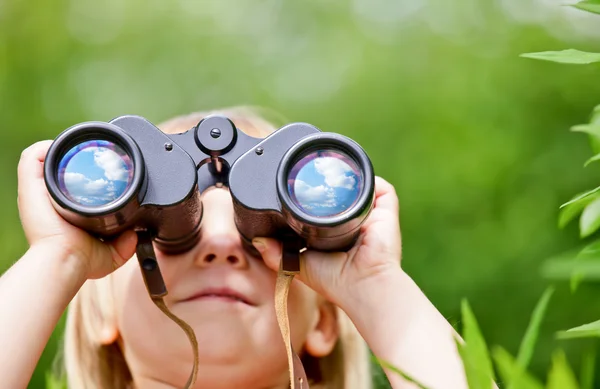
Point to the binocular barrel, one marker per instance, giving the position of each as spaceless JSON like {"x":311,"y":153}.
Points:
{"x":297,"y":183}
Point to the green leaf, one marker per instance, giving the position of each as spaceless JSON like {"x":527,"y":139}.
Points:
{"x":593,"y":159}
{"x":590,"y":330}
{"x":561,"y":376}
{"x":590,"y":219}
{"x":575,"y":266}
{"x":387,"y":365}
{"x":569,"y":56}
{"x":587,"y":369}
{"x":576,"y":279}
{"x":533,"y":329}
{"x":595,"y":119}
{"x":589,"y":252}
{"x":565,"y":269}
{"x":580,"y":197}
{"x":571,"y":211}
{"x":474,"y":352}
{"x":593,"y":131}
{"x":513,"y":374}
{"x":592,"y":6}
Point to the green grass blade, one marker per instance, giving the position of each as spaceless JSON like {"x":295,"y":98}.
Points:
{"x":569,"y":56}
{"x":587,"y":369}
{"x":512,"y":373}
{"x":561,"y":376}
{"x":576,"y":279}
{"x":592,"y":6}
{"x":387,"y":365}
{"x":590,"y":330}
{"x":533,"y":330}
{"x":474,"y":352}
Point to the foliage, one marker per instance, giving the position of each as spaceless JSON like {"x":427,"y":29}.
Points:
{"x":566,"y":56}
{"x":587,"y":205}
{"x":384,"y":364}
{"x":588,"y":5}
{"x":474,"y":352}
{"x":54,"y":382}
{"x":513,"y":371}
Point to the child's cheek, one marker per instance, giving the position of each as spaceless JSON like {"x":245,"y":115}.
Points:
{"x":136,"y":312}
{"x":303,"y":312}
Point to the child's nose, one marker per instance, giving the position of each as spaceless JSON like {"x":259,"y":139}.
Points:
{"x":221,"y":249}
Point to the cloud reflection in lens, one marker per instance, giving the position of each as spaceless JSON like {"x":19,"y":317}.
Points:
{"x":95,"y":173}
{"x":325,"y":183}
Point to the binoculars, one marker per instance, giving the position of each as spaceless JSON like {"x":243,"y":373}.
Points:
{"x":296,"y":183}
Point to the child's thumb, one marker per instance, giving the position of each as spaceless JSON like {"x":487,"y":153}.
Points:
{"x":315,"y":267}
{"x":123,"y":247}
{"x":270,"y":250}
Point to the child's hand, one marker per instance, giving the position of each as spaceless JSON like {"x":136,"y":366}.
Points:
{"x":347,"y":278}
{"x":45,"y":227}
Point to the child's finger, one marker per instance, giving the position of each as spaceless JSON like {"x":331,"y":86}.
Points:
{"x":123,"y":247}
{"x":386,"y":208}
{"x":31,"y":162}
{"x":31,"y":180}
{"x":385,"y":195}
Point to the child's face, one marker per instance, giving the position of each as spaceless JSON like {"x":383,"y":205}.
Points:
{"x":238,"y":341}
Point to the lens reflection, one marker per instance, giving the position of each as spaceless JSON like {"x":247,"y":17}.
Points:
{"x":95,"y":173}
{"x":325,"y":183}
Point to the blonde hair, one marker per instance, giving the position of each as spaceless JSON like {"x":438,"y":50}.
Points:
{"x":91,"y":365}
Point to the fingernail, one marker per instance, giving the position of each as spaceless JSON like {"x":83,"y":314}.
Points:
{"x":259,"y":244}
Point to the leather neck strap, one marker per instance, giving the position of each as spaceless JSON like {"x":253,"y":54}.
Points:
{"x":297,"y":374}
{"x":290,"y":265}
{"x":160,"y":303}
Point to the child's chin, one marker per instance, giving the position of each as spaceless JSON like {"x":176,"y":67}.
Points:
{"x":226,"y":377}
{"x":231,"y":339}
{"x":242,"y":373}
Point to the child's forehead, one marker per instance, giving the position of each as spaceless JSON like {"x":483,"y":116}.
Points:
{"x":249,"y":123}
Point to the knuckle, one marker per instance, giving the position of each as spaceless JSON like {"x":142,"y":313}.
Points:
{"x":33,"y":150}
{"x":392,"y":189}
{"x":386,"y":186}
{"x":25,"y":154}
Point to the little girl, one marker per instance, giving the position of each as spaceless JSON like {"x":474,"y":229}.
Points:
{"x":340,"y":304}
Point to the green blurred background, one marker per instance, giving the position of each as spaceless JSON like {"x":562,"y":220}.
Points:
{"x":474,"y":138}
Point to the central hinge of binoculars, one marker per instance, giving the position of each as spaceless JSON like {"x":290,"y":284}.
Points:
{"x":290,"y":261}
{"x":149,"y":265}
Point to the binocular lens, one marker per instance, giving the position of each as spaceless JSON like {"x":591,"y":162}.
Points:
{"x":325,"y":183}
{"x":95,"y":173}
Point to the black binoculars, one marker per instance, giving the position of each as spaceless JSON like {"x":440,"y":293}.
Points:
{"x":296,"y":183}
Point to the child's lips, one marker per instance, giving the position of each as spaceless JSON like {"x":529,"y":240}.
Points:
{"x":220,"y":294}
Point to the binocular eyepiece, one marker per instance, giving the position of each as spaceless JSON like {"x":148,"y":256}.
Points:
{"x":297,"y":183}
